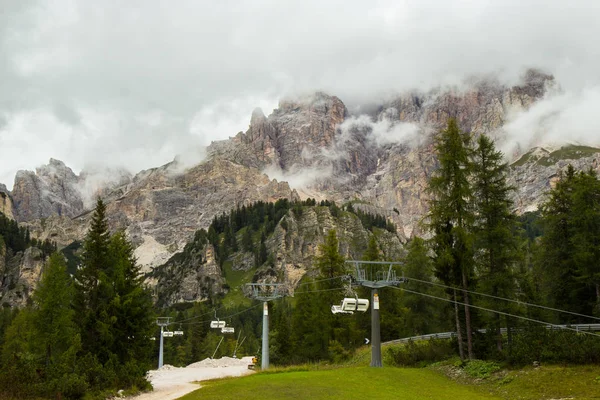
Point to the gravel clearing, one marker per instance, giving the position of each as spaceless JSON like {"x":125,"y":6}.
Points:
{"x":171,"y":382}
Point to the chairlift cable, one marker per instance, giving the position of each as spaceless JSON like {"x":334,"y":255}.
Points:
{"x":502,"y":298}
{"x":498,"y":312}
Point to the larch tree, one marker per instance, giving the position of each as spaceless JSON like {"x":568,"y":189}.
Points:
{"x":496,"y":229}
{"x":451,"y":217}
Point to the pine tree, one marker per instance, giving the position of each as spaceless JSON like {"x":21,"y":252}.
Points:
{"x":586,"y":238}
{"x":423,"y":315}
{"x":329,"y":261}
{"x":496,"y":229}
{"x":451,"y":217}
{"x":131,"y":305}
{"x":557,"y":254}
{"x":372,"y":253}
{"x":94,"y":291}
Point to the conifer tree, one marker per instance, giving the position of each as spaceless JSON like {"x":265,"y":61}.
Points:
{"x":372,"y":253}
{"x":131,"y":305}
{"x":496,"y":229}
{"x":94,"y":291}
{"x":451,"y":218}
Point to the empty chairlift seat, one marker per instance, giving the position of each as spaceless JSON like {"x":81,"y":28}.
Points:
{"x":227,"y":329}
{"x":217,"y":324}
{"x":350,"y":304}
{"x":338,"y":310}
{"x":362,"y":305}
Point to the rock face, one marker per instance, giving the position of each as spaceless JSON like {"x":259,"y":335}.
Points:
{"x":19,"y":275}
{"x":194,"y":275}
{"x":6,"y":203}
{"x":52,"y":189}
{"x":293,"y":137}
{"x":339,"y":157}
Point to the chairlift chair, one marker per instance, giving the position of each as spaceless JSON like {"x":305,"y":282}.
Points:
{"x":217,"y":324}
{"x":338,"y":310}
{"x":227,"y":329}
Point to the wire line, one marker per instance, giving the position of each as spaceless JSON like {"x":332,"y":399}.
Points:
{"x":498,"y":312}
{"x":503,"y":298}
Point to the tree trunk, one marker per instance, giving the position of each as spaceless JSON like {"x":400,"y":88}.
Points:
{"x":461,"y":351}
{"x":468,"y":318}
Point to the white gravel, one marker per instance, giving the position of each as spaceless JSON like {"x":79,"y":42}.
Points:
{"x":171,"y":382}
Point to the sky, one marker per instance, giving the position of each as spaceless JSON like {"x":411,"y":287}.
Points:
{"x":132,"y":84}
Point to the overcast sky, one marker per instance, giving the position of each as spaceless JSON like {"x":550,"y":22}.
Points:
{"x":135,"y":82}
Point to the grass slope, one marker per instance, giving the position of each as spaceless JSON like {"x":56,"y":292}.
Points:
{"x":342,"y":383}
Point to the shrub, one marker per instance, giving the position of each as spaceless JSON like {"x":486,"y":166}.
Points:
{"x":420,"y":353}
{"x":480,"y":369}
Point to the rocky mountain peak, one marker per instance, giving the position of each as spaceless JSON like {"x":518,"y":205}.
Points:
{"x":51,"y":190}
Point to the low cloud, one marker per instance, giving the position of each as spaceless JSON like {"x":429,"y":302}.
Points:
{"x":299,"y":178}
{"x":561,"y":117}
{"x":134,"y":83}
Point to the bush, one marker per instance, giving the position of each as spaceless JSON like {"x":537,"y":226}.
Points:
{"x":420,"y":353}
{"x":480,"y":369}
{"x":536,"y":343}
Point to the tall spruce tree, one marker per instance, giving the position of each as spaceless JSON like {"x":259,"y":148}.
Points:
{"x":570,"y":248}
{"x":557,"y":254}
{"x":586,"y":237}
{"x":496,"y":229}
{"x":94,"y":290}
{"x":131,"y":305}
{"x":423,"y":315}
{"x":451,"y":218}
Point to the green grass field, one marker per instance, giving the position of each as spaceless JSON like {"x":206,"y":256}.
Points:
{"x":341,"y":383}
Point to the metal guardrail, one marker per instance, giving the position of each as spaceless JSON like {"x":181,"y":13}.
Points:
{"x":448,"y":335}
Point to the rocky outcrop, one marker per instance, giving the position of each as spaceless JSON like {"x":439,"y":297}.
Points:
{"x":481,"y":107}
{"x":292,"y":137}
{"x":51,"y":190}
{"x":536,"y":172}
{"x":6,"y":203}
{"x":194,"y":274}
{"x":19,"y":275}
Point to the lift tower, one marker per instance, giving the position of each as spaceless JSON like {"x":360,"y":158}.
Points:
{"x":375,"y":275}
{"x":265,"y":292}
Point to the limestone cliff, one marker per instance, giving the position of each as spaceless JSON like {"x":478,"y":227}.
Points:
{"x":6,"y":203}
{"x":19,"y":275}
{"x":50,"y":190}
{"x":194,"y":274}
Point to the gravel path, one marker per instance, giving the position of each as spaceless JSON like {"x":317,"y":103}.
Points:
{"x":170,"y":382}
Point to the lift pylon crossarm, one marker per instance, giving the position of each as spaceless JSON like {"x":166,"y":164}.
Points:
{"x":265,"y":292}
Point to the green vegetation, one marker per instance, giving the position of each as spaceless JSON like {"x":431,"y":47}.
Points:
{"x":529,"y":383}
{"x":87,"y":336}
{"x":17,"y":238}
{"x":342,"y":383}
{"x":571,"y":152}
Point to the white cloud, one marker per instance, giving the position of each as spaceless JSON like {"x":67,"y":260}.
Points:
{"x":559,"y":118}
{"x":133,"y":83}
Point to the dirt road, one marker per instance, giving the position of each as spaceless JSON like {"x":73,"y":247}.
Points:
{"x":171,"y":382}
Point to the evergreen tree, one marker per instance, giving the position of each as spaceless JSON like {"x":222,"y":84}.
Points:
{"x":329,"y":261}
{"x":586,"y":238}
{"x":424,"y":316}
{"x":496,"y":230}
{"x":372,"y":253}
{"x":451,"y":217}
{"x":557,"y":254}
{"x":570,"y":247}
{"x":131,"y":305}
{"x":42,"y":343}
{"x":94,"y":290}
